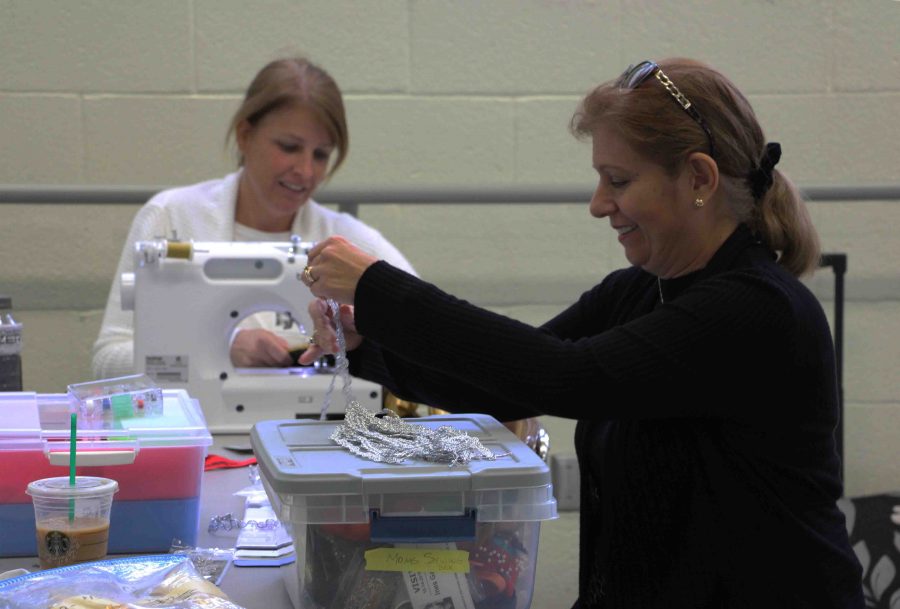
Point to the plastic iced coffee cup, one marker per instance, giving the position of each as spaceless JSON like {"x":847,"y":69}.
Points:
{"x":72,"y":522}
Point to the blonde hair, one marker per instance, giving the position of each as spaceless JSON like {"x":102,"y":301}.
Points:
{"x":295,"y":81}
{"x":650,"y":120}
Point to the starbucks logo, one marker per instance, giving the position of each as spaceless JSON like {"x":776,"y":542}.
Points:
{"x":57,"y":543}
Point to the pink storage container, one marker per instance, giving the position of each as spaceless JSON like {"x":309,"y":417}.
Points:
{"x":157,"y":461}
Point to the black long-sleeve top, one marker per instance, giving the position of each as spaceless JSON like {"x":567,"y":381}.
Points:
{"x":706,"y":410}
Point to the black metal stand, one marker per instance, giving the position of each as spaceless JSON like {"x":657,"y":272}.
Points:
{"x":838,"y":263}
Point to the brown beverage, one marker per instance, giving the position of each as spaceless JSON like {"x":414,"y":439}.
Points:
{"x":297,"y":345}
{"x":61,"y":542}
{"x":71,"y":517}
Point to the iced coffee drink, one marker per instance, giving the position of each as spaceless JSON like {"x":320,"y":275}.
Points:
{"x":71,"y":521}
{"x":60,"y":542}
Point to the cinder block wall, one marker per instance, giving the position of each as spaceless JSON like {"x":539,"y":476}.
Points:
{"x":445,"y":93}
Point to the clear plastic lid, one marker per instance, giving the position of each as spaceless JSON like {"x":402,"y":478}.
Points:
{"x":42,"y":421}
{"x":85,"y":486}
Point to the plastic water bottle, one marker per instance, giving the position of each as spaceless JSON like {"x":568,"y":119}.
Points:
{"x":10,"y":348}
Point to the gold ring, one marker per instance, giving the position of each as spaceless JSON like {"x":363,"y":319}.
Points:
{"x":312,"y":339}
{"x":308,"y":276}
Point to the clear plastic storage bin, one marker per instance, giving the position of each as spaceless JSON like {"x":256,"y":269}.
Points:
{"x":417,"y":535}
{"x":124,"y":397}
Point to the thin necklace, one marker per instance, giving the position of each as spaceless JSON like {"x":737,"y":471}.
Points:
{"x":659,"y":285}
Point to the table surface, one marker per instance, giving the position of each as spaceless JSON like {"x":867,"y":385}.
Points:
{"x":249,"y":587}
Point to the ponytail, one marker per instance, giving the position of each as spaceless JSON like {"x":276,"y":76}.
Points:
{"x":782,"y":220}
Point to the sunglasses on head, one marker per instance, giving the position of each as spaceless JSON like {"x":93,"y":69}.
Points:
{"x":636,"y":75}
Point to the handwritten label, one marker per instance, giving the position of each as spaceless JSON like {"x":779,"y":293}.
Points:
{"x":420,"y":560}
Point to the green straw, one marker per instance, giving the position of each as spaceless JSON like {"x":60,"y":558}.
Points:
{"x":72,"y":436}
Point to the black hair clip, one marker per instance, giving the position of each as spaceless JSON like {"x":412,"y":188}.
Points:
{"x":760,"y":178}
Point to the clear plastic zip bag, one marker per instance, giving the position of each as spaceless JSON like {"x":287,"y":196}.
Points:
{"x":142,"y":582}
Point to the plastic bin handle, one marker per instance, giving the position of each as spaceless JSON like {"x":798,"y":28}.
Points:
{"x":422,"y":529}
{"x":90,"y":458}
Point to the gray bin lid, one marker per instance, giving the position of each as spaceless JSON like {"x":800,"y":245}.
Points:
{"x":298,"y":457}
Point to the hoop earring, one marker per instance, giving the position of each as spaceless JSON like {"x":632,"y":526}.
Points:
{"x":698,"y":202}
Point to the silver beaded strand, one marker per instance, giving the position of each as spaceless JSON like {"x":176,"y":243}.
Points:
{"x":341,"y":364}
{"x":390,"y":439}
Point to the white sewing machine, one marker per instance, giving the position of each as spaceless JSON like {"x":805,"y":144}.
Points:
{"x":188,"y":298}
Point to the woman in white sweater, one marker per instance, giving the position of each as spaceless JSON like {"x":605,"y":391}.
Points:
{"x":291,"y":134}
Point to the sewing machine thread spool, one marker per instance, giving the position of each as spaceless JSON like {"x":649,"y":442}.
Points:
{"x":179,"y":249}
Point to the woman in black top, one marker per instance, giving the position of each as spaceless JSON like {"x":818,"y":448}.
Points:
{"x":702,"y":377}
